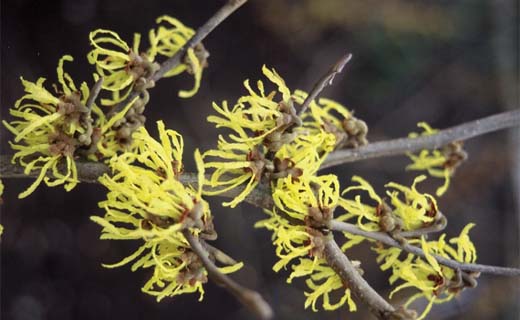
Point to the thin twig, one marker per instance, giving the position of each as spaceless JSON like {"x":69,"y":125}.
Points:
{"x":249,"y":298}
{"x":338,"y":261}
{"x":443,"y":137}
{"x":326,"y":80}
{"x":219,"y":255}
{"x":94,"y":92}
{"x":225,"y":11}
{"x":219,"y":16}
{"x":388,"y":240}
{"x":89,"y":172}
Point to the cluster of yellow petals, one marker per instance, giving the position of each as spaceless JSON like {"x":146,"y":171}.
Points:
{"x":324,"y":282}
{"x":147,"y":201}
{"x":415,"y":210}
{"x":426,"y":274}
{"x":301,"y":245}
{"x":121,"y":65}
{"x":255,"y":122}
{"x":411,"y":206}
{"x":257,"y":139}
{"x":294,"y":242}
{"x":332,"y":117}
{"x":50,"y":128}
{"x":431,"y":161}
{"x":291,"y":241}
{"x":40,"y":125}
{"x":295,"y":197}
{"x":170,"y":36}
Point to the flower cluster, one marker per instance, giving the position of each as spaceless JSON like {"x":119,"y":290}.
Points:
{"x":437,"y":283}
{"x":438,"y":163}
{"x":126,"y":68}
{"x":407,"y":210}
{"x":52,"y":130}
{"x":331,"y":116}
{"x":51,"y":127}
{"x":270,"y":141}
{"x":147,"y":201}
{"x":168,"y":39}
{"x":311,"y":202}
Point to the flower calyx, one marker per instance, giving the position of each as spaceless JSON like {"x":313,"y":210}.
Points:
{"x":285,"y":123}
{"x":455,"y":155}
{"x":460,"y":281}
{"x":61,"y":143}
{"x":319,"y":218}
{"x":354,"y":135}
{"x":388,"y":222}
{"x":142,"y":70}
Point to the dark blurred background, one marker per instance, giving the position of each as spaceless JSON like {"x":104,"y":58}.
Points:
{"x":445,"y":62}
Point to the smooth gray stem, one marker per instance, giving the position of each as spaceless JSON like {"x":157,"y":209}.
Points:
{"x":443,"y":137}
{"x":325,"y":80}
{"x":94,"y":92}
{"x":249,"y":298}
{"x":389,"y":241}
{"x":338,"y":261}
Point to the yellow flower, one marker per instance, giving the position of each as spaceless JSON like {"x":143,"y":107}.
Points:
{"x":435,"y":282}
{"x":115,"y":134}
{"x":324,"y":282}
{"x":122,"y":66}
{"x":262,"y":144}
{"x":233,"y":164}
{"x":332,"y":117}
{"x":438,"y":163}
{"x":315,"y":197}
{"x":409,"y":208}
{"x":466,"y":251}
{"x":367,"y":216}
{"x":168,"y":39}
{"x":147,"y":201}
{"x":256,"y":116}
{"x":307,"y":152}
{"x":50,"y":129}
{"x":291,"y":241}
{"x":417,"y":209}
{"x":311,"y":201}
{"x":118,"y":65}
{"x":294,"y":242}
